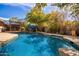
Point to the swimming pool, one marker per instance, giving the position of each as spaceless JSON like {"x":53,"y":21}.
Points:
{"x":34,"y":44}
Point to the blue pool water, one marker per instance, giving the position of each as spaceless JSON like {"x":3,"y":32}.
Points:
{"x":33,"y":44}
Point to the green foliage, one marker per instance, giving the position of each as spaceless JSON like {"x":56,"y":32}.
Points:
{"x":73,"y":7}
{"x":61,"y":5}
{"x":36,"y":15}
{"x":54,"y":21}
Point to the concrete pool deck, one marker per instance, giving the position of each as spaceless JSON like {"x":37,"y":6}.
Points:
{"x":6,"y":37}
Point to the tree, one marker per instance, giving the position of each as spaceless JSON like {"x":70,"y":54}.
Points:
{"x":40,"y":6}
{"x":36,"y":15}
{"x":55,"y":21}
{"x":13,"y":19}
{"x":72,"y":7}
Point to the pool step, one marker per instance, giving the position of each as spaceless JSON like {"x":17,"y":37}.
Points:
{"x":68,"y":52}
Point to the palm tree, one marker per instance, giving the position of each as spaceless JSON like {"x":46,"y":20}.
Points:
{"x":36,"y":15}
{"x":40,"y":6}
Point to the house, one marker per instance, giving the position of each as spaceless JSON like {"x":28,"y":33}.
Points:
{"x":2,"y":25}
{"x":5,"y":25}
{"x":14,"y":26}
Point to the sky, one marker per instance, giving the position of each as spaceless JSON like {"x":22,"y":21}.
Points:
{"x":14,"y":10}
{"x":8,"y":10}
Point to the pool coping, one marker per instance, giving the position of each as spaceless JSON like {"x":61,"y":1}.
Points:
{"x":70,"y":38}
